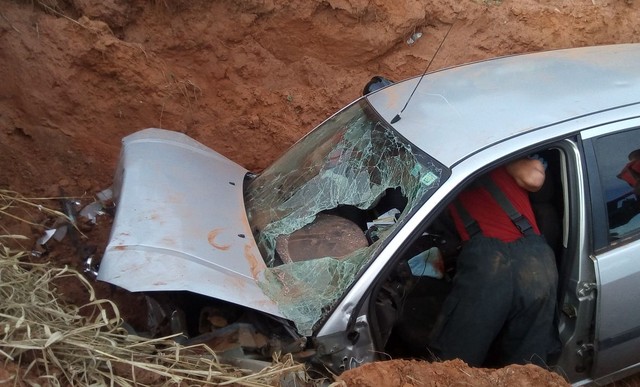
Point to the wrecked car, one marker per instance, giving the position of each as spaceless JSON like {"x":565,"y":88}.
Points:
{"x":309,"y":257}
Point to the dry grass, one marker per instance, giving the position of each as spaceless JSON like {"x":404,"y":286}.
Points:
{"x":12,"y":203}
{"x":52,"y":343}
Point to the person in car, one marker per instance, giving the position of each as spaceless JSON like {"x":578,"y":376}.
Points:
{"x":501,"y":307}
{"x":631,"y":172}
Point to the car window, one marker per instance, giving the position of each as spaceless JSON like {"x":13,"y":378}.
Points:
{"x":618,"y":157}
{"x":324,"y":209}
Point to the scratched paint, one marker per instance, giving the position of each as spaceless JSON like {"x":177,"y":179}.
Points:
{"x":169,"y":241}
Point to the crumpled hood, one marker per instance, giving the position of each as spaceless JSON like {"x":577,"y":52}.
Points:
{"x":181,"y":222}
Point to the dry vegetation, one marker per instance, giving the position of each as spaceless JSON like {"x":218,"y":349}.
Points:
{"x":54,"y":343}
{"x":246,"y":78}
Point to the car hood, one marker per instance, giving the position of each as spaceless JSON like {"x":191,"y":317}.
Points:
{"x":181,"y":223}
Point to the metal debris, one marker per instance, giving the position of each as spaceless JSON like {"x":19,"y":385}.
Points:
{"x":45,"y":238}
{"x":57,"y":234}
{"x":91,"y":267}
{"x":87,"y":216}
{"x":91,"y":212}
{"x":60,"y":232}
{"x":413,"y":38}
{"x":99,"y":207}
{"x":105,"y":195}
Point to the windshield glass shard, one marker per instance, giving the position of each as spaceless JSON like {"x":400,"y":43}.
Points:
{"x":321,"y":211}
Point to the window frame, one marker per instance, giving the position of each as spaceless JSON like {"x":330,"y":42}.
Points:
{"x":600,"y":229}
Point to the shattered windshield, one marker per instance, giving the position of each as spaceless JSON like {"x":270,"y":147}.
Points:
{"x":320,"y":212}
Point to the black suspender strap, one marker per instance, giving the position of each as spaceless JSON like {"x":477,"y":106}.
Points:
{"x":521,"y":223}
{"x":470,"y":224}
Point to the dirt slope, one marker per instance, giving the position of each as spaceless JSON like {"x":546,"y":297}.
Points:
{"x":247,"y":78}
{"x":409,"y":373}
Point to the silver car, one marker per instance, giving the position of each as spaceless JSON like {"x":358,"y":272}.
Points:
{"x":310,"y":256}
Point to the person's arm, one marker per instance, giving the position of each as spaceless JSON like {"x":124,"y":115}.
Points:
{"x":528,"y":173}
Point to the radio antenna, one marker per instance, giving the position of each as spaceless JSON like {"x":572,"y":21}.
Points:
{"x":397,"y":117}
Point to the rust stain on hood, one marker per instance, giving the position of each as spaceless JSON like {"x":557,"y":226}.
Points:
{"x":255,"y":265}
{"x":211,"y":237}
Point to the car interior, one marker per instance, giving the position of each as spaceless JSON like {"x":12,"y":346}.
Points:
{"x":406,"y":306}
{"x":340,"y":230}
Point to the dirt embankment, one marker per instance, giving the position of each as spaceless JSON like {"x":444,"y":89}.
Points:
{"x":247,"y":78}
{"x":409,"y":373}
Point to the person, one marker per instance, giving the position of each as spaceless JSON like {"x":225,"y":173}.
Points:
{"x":631,"y":172}
{"x":501,"y":307}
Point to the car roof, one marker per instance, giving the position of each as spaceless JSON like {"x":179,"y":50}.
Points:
{"x":457,"y":111}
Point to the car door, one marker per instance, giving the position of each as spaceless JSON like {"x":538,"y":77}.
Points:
{"x":615,"y":209}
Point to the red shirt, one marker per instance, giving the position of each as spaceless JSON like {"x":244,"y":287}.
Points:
{"x":492,"y":219}
{"x":627,"y":174}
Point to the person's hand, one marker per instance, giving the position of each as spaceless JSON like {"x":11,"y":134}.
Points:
{"x":528,"y":173}
{"x":428,"y":263}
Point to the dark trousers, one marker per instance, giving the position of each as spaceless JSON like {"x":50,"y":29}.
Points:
{"x":503,"y":301}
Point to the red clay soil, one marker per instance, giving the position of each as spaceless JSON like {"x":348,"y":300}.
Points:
{"x":246,"y":78}
{"x":410,"y":373}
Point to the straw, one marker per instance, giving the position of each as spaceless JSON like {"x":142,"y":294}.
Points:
{"x":54,"y":343}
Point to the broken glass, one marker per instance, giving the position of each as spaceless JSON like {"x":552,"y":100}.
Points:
{"x":354,"y":160}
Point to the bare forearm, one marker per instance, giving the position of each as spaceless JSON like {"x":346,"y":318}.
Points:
{"x":528,"y":173}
